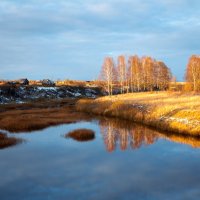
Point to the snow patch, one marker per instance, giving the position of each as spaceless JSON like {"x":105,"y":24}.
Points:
{"x":47,"y":88}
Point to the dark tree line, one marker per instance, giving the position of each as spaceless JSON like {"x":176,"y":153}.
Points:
{"x":135,"y":74}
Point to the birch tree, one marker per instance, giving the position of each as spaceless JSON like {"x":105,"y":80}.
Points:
{"x":134,"y":70}
{"x":143,"y":74}
{"x":108,"y":74}
{"x":121,"y":72}
{"x":163,"y":75}
{"x":193,"y":72}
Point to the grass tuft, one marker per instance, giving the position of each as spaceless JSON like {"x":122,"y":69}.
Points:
{"x":81,"y":135}
{"x":8,"y":141}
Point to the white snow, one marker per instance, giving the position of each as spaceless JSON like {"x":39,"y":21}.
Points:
{"x":19,"y":102}
{"x":192,"y":123}
{"x":47,"y":88}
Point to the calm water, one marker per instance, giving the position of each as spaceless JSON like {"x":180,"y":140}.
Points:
{"x":124,"y":161}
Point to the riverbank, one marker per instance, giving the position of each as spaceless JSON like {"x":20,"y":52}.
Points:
{"x":38,"y":115}
{"x":174,"y":112}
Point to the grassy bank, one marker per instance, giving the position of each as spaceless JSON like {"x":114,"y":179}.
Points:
{"x":38,"y":115}
{"x":166,"y":111}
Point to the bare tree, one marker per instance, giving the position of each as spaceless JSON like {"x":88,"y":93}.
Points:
{"x":149,"y":72}
{"x":108,"y":74}
{"x":121,"y":72}
{"x":164,"y":75}
{"x":130,"y":73}
{"x":134,"y":71}
{"x":193,"y":72}
{"x":145,"y":74}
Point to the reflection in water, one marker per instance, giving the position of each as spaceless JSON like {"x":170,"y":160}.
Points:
{"x":50,"y":165}
{"x":6,"y":141}
{"x":124,"y":134}
{"x":189,"y":140}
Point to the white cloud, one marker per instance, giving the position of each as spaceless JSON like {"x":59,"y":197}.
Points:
{"x":101,"y":9}
{"x":48,"y":32}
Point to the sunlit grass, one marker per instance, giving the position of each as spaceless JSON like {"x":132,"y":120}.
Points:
{"x":38,"y":115}
{"x":167,"y":111}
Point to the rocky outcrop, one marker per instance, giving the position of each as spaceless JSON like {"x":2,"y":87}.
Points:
{"x":20,"y":94}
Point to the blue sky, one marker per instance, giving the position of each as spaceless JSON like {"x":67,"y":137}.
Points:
{"x":69,"y":39}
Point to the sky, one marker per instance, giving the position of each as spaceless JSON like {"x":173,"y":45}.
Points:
{"x":68,"y":39}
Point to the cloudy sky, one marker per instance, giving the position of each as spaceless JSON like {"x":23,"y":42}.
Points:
{"x":68,"y":39}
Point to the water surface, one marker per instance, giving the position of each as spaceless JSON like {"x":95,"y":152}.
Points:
{"x":124,"y":161}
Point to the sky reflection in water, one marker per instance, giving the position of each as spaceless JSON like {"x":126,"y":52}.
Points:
{"x":49,"y":166}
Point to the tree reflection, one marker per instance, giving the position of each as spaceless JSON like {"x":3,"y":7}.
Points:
{"x":124,"y":134}
{"x":109,"y":134}
{"x":123,"y":139}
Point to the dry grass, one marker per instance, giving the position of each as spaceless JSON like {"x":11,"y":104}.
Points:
{"x":38,"y":115}
{"x":8,"y":141}
{"x":126,"y":133}
{"x":166,"y":111}
{"x":81,"y":135}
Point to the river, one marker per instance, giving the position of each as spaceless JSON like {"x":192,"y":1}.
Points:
{"x":124,"y":161}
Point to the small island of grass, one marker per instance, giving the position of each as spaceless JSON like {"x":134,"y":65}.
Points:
{"x":81,"y":135}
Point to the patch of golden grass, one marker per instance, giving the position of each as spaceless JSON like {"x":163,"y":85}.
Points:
{"x":167,"y":111}
{"x":38,"y":115}
{"x":8,"y":141}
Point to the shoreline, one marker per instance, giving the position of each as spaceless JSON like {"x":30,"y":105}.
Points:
{"x":38,"y":115}
{"x":171,"y":112}
{"x":28,"y":117}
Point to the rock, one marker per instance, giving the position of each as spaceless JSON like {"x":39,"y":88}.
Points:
{"x":24,"y":81}
{"x":47,"y":82}
{"x":21,"y":93}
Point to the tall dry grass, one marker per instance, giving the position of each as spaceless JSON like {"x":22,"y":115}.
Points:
{"x":6,"y":141}
{"x":38,"y":115}
{"x":170,"y":111}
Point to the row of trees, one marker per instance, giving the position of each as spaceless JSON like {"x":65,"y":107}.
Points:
{"x":135,"y":74}
{"x":192,"y":74}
